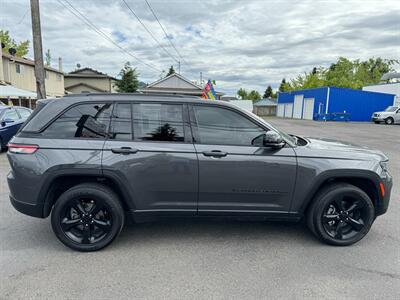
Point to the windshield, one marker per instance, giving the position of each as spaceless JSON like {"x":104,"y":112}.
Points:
{"x":287,"y":137}
{"x":391,"y":109}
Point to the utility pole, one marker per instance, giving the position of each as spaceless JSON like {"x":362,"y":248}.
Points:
{"x":37,"y":50}
{"x":179,"y":67}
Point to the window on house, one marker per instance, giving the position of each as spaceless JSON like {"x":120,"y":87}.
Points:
{"x":58,"y":77}
{"x":82,"y":121}
{"x":18,"y":68}
{"x":158,"y":122}
{"x":46,"y":74}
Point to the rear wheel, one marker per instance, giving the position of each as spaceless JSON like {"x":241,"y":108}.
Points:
{"x":389,"y":121}
{"x":341,"y":214}
{"x":87,"y":217}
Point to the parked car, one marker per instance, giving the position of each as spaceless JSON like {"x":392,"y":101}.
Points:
{"x":390,"y":115}
{"x":91,"y":161}
{"x":11,"y":119}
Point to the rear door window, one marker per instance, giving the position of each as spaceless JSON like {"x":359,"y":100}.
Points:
{"x":158,"y":122}
{"x":89,"y":120}
{"x":121,"y":124}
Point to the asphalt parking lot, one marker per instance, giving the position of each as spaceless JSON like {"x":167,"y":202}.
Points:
{"x":222,"y":259}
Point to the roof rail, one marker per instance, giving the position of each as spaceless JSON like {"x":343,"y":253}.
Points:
{"x":133,"y":94}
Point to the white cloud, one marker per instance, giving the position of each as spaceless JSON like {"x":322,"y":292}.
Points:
{"x":238,"y":43}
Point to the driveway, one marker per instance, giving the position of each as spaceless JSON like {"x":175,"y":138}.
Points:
{"x":221,"y":259}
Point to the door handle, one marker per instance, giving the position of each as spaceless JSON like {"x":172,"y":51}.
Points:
{"x":215,"y":153}
{"x":124,"y":150}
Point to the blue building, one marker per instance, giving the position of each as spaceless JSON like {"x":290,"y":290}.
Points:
{"x":328,"y":102}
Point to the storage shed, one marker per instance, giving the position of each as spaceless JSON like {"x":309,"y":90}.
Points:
{"x":328,"y":102}
{"x":265,"y":107}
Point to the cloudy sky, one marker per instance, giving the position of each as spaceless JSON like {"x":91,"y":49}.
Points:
{"x":243,"y":43}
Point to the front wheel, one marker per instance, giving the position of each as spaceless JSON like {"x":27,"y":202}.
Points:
{"x":87,"y":217}
{"x":389,"y":121}
{"x":341,"y":214}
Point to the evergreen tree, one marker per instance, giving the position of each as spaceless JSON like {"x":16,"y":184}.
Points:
{"x":284,"y":87}
{"x":269,"y":92}
{"x":171,"y":71}
{"x":129,"y":82}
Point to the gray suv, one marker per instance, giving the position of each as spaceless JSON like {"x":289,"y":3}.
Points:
{"x":95,"y":161}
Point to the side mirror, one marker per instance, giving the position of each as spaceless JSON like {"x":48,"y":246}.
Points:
{"x":269,"y":139}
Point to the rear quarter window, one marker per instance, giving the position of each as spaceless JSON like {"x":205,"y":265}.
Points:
{"x":89,"y":120}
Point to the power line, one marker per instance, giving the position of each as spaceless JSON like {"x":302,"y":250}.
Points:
{"x":92,"y":26}
{"x":149,"y":32}
{"x":23,"y":17}
{"x":165,"y":32}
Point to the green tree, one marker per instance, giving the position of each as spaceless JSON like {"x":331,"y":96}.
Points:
{"x":21,"y":48}
{"x":47,"y":58}
{"x":269,"y":92}
{"x":242,"y":93}
{"x":254,"y":95}
{"x":129,"y":82}
{"x":284,"y":86}
{"x":171,"y":71}
{"x":344,"y":73}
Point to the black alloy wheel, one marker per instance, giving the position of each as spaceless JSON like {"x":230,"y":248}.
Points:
{"x":341,"y":214}
{"x":86,"y":221}
{"x":87,"y":217}
{"x":345,"y":217}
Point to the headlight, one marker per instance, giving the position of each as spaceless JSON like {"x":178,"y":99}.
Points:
{"x":384,"y":165}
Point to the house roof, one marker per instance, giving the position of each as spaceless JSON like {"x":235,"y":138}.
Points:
{"x":27,"y":61}
{"x":265,"y":102}
{"x":88,"y":72}
{"x":176,"y":84}
{"x":158,"y":82}
{"x":86,"y":85}
{"x":13,"y":92}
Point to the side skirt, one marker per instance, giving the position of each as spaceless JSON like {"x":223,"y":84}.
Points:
{"x":135,"y":216}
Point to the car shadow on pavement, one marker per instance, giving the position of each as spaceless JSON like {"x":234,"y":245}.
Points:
{"x":37,"y":234}
{"x":214,"y":231}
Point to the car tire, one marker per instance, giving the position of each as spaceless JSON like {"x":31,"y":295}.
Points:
{"x":389,"y":121}
{"x":341,"y":214}
{"x":87,"y":217}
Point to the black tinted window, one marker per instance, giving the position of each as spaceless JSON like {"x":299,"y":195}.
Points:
{"x":158,"y":122}
{"x":82,"y":121}
{"x":121,"y":126}
{"x":224,"y":127}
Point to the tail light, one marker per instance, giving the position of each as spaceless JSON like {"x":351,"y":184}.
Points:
{"x":22,"y":149}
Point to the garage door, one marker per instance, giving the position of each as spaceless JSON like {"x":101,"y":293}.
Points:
{"x":308,"y":110}
{"x":281,"y":110}
{"x":298,"y":106}
{"x":288,"y":110}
